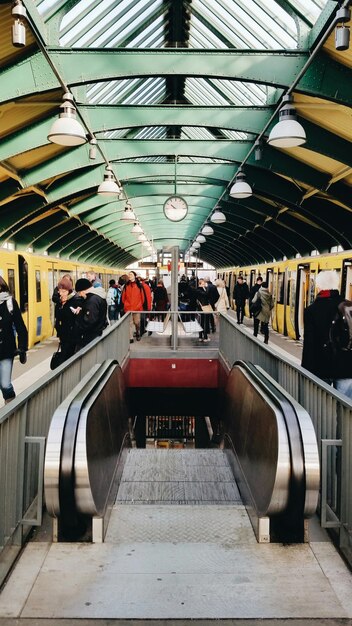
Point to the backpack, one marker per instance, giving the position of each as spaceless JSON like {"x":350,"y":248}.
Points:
{"x":111,"y":296}
{"x":340,"y":333}
{"x":255,"y":307}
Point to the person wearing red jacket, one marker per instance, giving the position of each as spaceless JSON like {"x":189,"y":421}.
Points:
{"x":134,"y":299}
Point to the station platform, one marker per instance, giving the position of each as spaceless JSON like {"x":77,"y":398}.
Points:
{"x":179,"y":545}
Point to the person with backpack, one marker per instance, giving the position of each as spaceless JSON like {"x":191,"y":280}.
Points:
{"x":261,"y":307}
{"x":324,"y":353}
{"x":111,"y":300}
{"x":11,"y":325}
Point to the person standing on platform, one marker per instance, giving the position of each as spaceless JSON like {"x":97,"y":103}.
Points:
{"x":92,"y":314}
{"x":134,"y":300}
{"x":111,"y":299}
{"x":203,"y":304}
{"x":263,"y":317}
{"x":161,"y":299}
{"x":11,"y":324}
{"x":318,"y":356}
{"x":56,"y":296}
{"x":240,"y":295}
{"x":149,"y":302}
{"x":222,"y":304}
{"x":94,"y":280}
{"x":213,"y":296}
{"x":253,"y":290}
{"x":65,"y":319}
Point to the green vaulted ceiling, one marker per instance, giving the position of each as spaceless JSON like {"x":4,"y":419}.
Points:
{"x":176,"y":93}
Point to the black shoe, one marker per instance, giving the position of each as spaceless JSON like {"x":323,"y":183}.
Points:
{"x":149,"y":333}
{"x":138,"y":338}
{"x":131,"y":341}
{"x":255,"y":334}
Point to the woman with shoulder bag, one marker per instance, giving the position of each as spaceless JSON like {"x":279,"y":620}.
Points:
{"x":203,"y":305}
{"x":222,"y":303}
{"x":66,"y":310}
{"x":11,"y":324}
{"x":262,"y":315}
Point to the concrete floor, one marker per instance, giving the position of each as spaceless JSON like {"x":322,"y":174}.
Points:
{"x":179,"y":562}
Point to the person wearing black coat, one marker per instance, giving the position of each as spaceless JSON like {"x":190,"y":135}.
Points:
{"x":213,"y":296}
{"x":65,"y":319}
{"x":11,"y":325}
{"x":202,"y":299}
{"x":254,"y":289}
{"x":318,"y":356}
{"x":240,"y":295}
{"x":92,"y":314}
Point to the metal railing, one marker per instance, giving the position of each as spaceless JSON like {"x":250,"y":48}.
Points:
{"x":24,"y":425}
{"x":331,"y":414}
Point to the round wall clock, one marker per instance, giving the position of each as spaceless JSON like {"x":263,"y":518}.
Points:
{"x":175,"y":208}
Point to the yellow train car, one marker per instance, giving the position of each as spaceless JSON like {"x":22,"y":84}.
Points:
{"x":292,"y":284}
{"x":32,"y":279}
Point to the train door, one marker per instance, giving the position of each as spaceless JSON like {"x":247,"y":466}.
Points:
{"x":53,"y":279}
{"x":274,"y":293}
{"x":346,"y":279}
{"x":303,"y":294}
{"x":269,"y":279}
{"x":23,"y":288}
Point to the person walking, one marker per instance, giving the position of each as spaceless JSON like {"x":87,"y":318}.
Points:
{"x":92,"y":314}
{"x":318,"y":355}
{"x":240,"y":295}
{"x":134,"y":300}
{"x":160,"y":299}
{"x":11,"y":324}
{"x":263,"y":317}
{"x":222,"y":304}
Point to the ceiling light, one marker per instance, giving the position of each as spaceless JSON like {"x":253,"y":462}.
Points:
{"x":258,"y":150}
{"x":342,"y":32}
{"x":109,"y":186}
{"x":196,"y":245}
{"x":142,"y":237}
{"x":67,"y":131}
{"x":240,"y":189}
{"x":136,"y":229}
{"x":18,"y":28}
{"x":207,"y":230}
{"x":287,"y":133}
{"x":201,"y":239}
{"x":92,"y":148}
{"x":218,"y":217}
{"x":129,"y":215}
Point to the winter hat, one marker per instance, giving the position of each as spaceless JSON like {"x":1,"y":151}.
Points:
{"x":65,"y":283}
{"x":82,"y":284}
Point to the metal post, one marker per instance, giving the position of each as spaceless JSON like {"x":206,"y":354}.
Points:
{"x":174,"y":297}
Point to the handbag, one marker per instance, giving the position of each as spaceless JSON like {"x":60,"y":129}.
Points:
{"x":57,"y":358}
{"x":255,"y":307}
{"x":206,"y":308}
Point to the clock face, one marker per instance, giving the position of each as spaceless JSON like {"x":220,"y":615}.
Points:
{"x":175,"y":208}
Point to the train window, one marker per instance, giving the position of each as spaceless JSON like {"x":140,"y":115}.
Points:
{"x":281,"y":288}
{"x":11,"y":280}
{"x":38,"y":288}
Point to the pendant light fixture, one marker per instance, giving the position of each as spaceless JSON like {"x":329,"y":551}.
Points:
{"x":342,"y":32}
{"x":288,"y":132}
{"x":207,"y":230}
{"x":129,"y":215}
{"x":18,"y":28}
{"x":67,"y":131}
{"x":142,"y":237}
{"x":109,"y":186}
{"x":241,"y":189}
{"x":196,"y":245}
{"x":136,"y":229}
{"x":201,"y":239}
{"x":218,"y":217}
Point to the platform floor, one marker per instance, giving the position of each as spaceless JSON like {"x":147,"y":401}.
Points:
{"x":178,"y":562}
